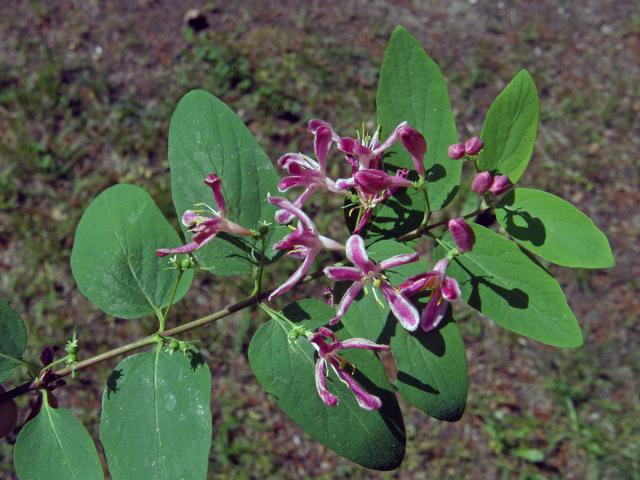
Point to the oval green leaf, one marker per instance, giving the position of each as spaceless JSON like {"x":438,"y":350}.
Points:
{"x":412,"y":89}
{"x":553,"y":229}
{"x":114,"y":258}
{"x":509,"y":131}
{"x":156,"y":417}
{"x":56,"y":446}
{"x":285,"y":369}
{"x":503,"y":283}
{"x":13,"y":340}
{"x":206,"y":136}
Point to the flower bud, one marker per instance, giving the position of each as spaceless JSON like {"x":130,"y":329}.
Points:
{"x":416,"y":145}
{"x":462,"y":234}
{"x":473,"y":146}
{"x":482,"y":182}
{"x":456,"y":151}
{"x":500,"y":184}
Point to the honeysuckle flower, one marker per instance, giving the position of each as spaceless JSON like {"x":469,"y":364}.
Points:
{"x":415,"y":144}
{"x":367,"y":151}
{"x":482,"y":182}
{"x":304,"y":242}
{"x":204,"y":228}
{"x":443,"y":290}
{"x":462,"y":234}
{"x":366,"y":273}
{"x":373,"y":181}
{"x":328,"y":357}
{"x":473,"y":146}
{"x":306,"y":172}
{"x":500,"y":184}
{"x":456,"y":151}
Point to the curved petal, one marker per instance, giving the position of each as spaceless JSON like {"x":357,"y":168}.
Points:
{"x":329,"y":399}
{"x":283,"y":216}
{"x":364,"y":398}
{"x":357,"y":253}
{"x":293,"y":181}
{"x":391,"y":139}
{"x":188,"y":248}
{"x":363,"y":344}
{"x":398,"y":260}
{"x":321,"y":145}
{"x":215,"y":182}
{"x":401,"y":307}
{"x":346,"y":301}
{"x":191,"y":218}
{"x":298,"y":275}
{"x":297,"y":162}
{"x":295,"y":211}
{"x":441,"y":266}
{"x":341,"y":274}
{"x":434,"y":312}
{"x":450,"y":288}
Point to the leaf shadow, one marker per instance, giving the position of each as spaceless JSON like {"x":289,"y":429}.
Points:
{"x":112,"y":382}
{"x":533,"y":229}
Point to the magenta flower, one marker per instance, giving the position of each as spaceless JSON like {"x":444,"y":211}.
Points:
{"x":456,"y":151}
{"x":373,"y":181}
{"x":204,"y":229}
{"x":304,"y":242}
{"x":473,"y":146}
{"x":500,"y":185}
{"x":415,"y":144}
{"x":482,"y":182}
{"x":328,"y":357}
{"x":306,"y":172}
{"x":443,"y":290}
{"x":367,"y":152}
{"x":462,"y":234}
{"x":367,"y":273}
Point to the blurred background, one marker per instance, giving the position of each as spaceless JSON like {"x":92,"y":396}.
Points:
{"x":86,"y":93}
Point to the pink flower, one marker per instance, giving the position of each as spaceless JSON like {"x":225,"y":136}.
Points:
{"x":328,"y":357}
{"x":456,"y":151}
{"x":204,"y":229}
{"x":462,"y":234}
{"x":306,"y":172}
{"x":500,"y":184}
{"x":368,"y":153}
{"x":443,"y":290}
{"x":415,"y":144}
{"x":482,"y":182}
{"x":473,"y":146}
{"x":366,"y":273}
{"x":373,"y":181}
{"x":304,"y":242}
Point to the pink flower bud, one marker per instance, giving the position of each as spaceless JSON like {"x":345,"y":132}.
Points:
{"x":500,"y":184}
{"x":456,"y":151}
{"x":473,"y":146}
{"x":462,"y":234}
{"x":416,"y":145}
{"x":482,"y":182}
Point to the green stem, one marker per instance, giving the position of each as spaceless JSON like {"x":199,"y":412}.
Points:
{"x":257,"y":286}
{"x":163,"y":318}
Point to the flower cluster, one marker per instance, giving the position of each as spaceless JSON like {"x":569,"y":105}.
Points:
{"x":368,"y":185}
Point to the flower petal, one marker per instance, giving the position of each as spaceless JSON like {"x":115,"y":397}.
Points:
{"x":215,"y":182}
{"x":418,"y":283}
{"x":293,"y":181}
{"x":342,"y":274}
{"x":401,"y":307}
{"x":283,"y":216}
{"x":398,"y":260}
{"x":357,"y":254}
{"x":364,"y":399}
{"x":191,"y":218}
{"x":346,"y":301}
{"x":362,"y":344}
{"x":298,"y":275}
{"x":391,"y":139}
{"x":188,"y":248}
{"x":321,"y":145}
{"x":450,"y":288}
{"x":329,"y":399}
{"x":434,"y":312}
{"x":295,"y":211}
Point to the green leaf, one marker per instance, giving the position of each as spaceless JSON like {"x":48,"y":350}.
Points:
{"x":56,"y":446}
{"x":156,"y":417}
{"x":13,"y":340}
{"x":205,"y":137}
{"x":412,"y":89}
{"x":509,"y":131}
{"x":532,"y":455}
{"x":503,"y":283}
{"x":553,"y":229}
{"x":432,"y":367}
{"x":285,"y":369}
{"x":114,"y":258}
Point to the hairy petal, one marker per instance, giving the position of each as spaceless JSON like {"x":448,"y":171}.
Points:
{"x":398,"y":260}
{"x":357,"y":254}
{"x":329,"y":399}
{"x":346,"y":301}
{"x":401,"y":307}
{"x":341,"y":274}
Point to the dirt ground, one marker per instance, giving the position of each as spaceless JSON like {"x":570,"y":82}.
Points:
{"x":86,"y":92}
